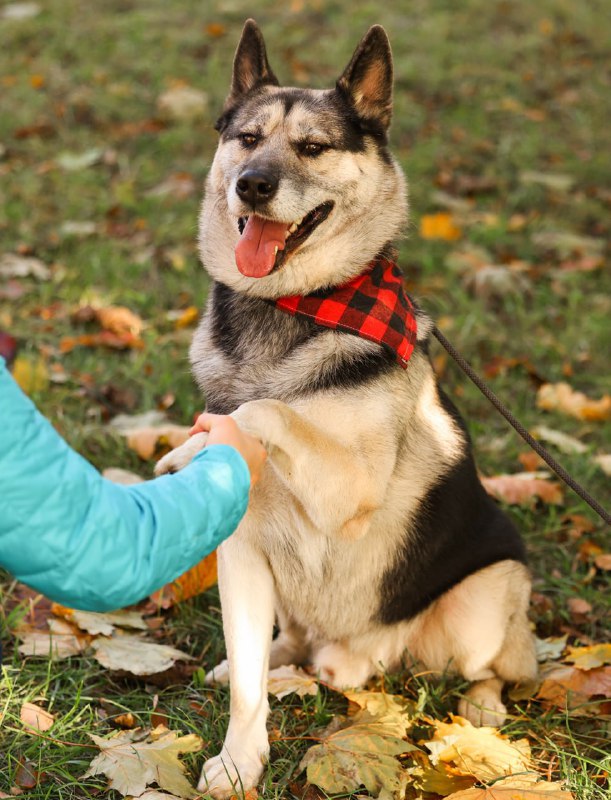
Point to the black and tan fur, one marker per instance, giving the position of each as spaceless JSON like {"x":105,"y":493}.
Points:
{"x":370,"y":540}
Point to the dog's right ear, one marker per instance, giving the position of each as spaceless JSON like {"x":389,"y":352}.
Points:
{"x":250,"y":65}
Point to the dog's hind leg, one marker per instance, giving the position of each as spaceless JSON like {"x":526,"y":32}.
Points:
{"x":244,"y":575}
{"x":290,"y":645}
{"x":481,"y":630}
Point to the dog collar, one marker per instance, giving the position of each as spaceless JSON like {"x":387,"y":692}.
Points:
{"x":374,"y":306}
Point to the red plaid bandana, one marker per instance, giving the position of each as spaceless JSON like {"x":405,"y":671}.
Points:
{"x":373,"y":305}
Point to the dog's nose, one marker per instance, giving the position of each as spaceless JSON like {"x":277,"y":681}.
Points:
{"x":256,"y":186}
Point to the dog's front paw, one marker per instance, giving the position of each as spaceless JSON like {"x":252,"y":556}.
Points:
{"x":482,"y":704}
{"x":218,"y":674}
{"x":181,"y":456}
{"x":225,"y":775}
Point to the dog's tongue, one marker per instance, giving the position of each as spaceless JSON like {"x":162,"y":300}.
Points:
{"x":255,"y":253}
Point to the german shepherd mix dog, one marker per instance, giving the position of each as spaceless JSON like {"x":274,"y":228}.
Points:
{"x":370,"y":541}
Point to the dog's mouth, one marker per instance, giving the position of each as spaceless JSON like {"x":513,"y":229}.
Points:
{"x":265,"y":245}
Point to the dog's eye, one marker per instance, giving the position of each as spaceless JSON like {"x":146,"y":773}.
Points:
{"x":248,"y":139}
{"x":312,"y":148}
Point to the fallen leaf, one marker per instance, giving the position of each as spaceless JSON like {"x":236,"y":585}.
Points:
{"x":555,"y":181}
{"x":531,"y":461}
{"x":578,"y":606}
{"x":604,"y":462}
{"x":564,"y":442}
{"x":362,"y":754}
{"x":78,"y":228}
{"x":551,"y":648}
{"x":569,"y":687}
{"x":131,"y":760}
{"x":523,"y":488}
{"x":522,"y":787}
{"x":586,"y":658}
{"x":215,"y":29}
{"x":35,"y":717}
{"x":483,"y":753}
{"x":439,"y":226}
{"x":182,"y":103}
{"x":27,"y":776}
{"x":8,"y":347}
{"x":13,"y":265}
{"x":32,"y":375}
{"x":178,"y":185}
{"x":187,"y":318}
{"x":113,"y":341}
{"x":566,"y":243}
{"x":289,"y":679}
{"x":119,"y":320}
{"x":152,"y":442}
{"x":191,"y":583}
{"x":20,"y":11}
{"x":126,"y":423}
{"x":561,"y":397}
{"x":136,"y":655}
{"x":101,"y":623}
{"x":603,"y":561}
{"x":153,"y":794}
{"x":393,"y":710}
{"x":437,"y":779}
{"x":73,"y":162}
{"x":62,"y":641}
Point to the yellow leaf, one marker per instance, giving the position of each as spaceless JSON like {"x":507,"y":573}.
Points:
{"x":586,"y":658}
{"x":119,"y":320}
{"x":518,"y":787}
{"x":31,"y":375}
{"x":286,"y":680}
{"x":132,"y":761}
{"x":35,"y":717}
{"x":561,"y":397}
{"x":439,"y":226}
{"x":188,"y":317}
{"x":483,"y":753}
{"x":191,"y":583}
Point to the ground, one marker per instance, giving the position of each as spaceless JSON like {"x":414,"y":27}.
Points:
{"x":501,"y":120}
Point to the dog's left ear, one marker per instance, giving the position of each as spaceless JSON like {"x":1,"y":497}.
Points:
{"x":367,"y":80}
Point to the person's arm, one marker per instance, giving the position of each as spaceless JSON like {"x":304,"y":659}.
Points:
{"x":92,"y":544}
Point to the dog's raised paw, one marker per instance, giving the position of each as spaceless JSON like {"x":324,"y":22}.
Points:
{"x":224,"y":776}
{"x":178,"y":458}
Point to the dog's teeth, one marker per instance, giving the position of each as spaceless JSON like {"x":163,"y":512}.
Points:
{"x":299,"y":221}
{"x":275,"y":251}
{"x":293,"y":227}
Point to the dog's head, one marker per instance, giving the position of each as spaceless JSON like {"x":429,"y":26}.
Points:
{"x":303,"y":192}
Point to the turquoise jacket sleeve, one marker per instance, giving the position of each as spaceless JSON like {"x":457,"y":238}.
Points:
{"x":89,"y":543}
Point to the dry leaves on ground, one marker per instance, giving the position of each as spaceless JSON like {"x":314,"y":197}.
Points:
{"x":35,"y":717}
{"x":596,"y":655}
{"x":439,"y":226}
{"x":563,"y":398}
{"x":62,"y":641}
{"x":523,"y":488}
{"x":150,"y":435}
{"x":289,"y":679}
{"x":191,"y":583}
{"x":136,"y":655}
{"x":132,"y":760}
{"x":574,"y":689}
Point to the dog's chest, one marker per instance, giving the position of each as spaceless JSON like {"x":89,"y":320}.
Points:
{"x":246,"y":349}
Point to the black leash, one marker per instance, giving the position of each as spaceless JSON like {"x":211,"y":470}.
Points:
{"x":517,"y":425}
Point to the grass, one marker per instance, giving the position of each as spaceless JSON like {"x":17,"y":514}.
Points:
{"x":483,"y":91}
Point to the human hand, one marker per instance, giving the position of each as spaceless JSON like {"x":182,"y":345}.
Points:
{"x":224,"y":430}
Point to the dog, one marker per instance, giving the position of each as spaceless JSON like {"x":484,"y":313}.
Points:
{"x":370,"y":541}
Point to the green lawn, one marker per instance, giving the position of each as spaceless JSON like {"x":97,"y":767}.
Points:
{"x":501,"y":116}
